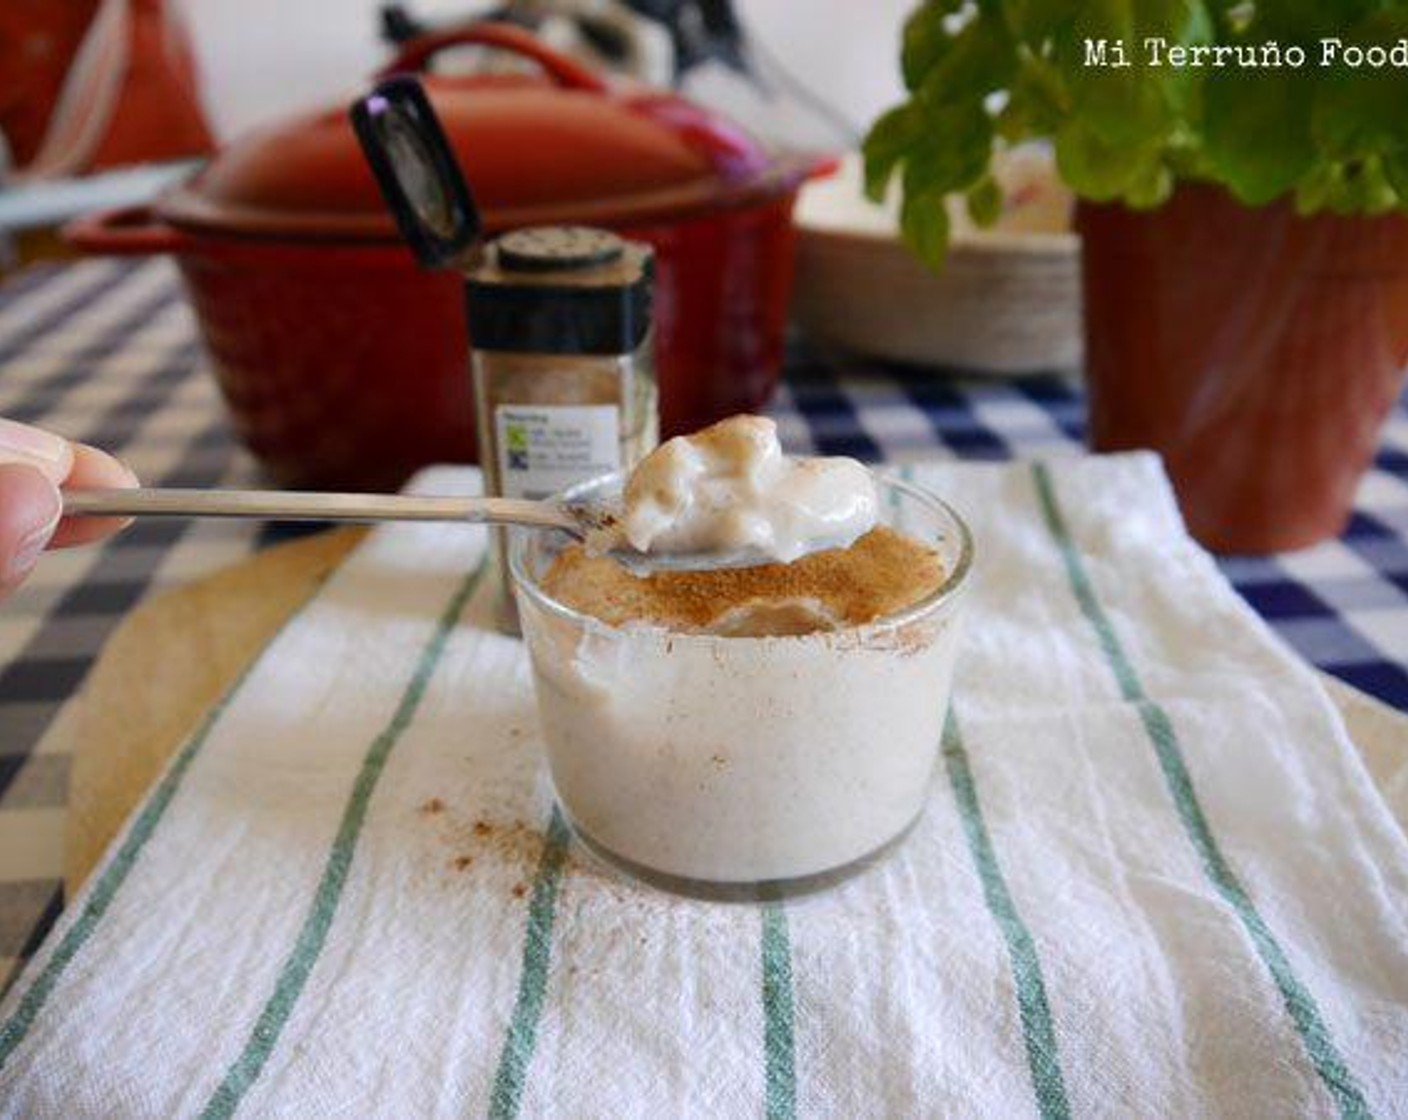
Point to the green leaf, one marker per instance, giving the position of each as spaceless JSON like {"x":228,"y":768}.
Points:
{"x":885,"y":145}
{"x":1182,"y":88}
{"x":1353,"y":187}
{"x":925,"y":39}
{"x":1257,"y":130}
{"x":1150,"y":186}
{"x":951,"y":154}
{"x":1137,"y":102}
{"x":1119,"y":106}
{"x":1315,"y":190}
{"x":1362,"y":111}
{"x":979,"y":59}
{"x":1306,"y":21}
{"x":1034,"y":21}
{"x":1396,"y":172}
{"x":1095,"y":169}
{"x":1036,"y":104}
{"x":925,"y":227}
{"x":1366,"y":189}
{"x":985,"y":202}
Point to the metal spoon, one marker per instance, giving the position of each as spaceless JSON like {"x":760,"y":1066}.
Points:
{"x":579,"y":520}
{"x":292,"y":505}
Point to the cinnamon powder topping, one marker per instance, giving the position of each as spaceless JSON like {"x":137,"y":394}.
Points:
{"x":881,"y":573}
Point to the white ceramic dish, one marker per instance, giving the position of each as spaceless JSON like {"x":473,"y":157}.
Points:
{"x":1006,"y":302}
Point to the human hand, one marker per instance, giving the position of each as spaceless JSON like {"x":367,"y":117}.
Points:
{"x":34,"y":465}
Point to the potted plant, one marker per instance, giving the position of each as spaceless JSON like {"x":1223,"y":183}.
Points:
{"x":1241,"y":171}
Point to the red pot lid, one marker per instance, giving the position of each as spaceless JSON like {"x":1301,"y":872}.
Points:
{"x":566,"y":147}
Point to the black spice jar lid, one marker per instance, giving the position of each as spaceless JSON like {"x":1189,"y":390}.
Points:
{"x":558,"y":248}
{"x":560,"y":290}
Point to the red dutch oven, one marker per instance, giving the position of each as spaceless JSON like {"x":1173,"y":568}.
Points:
{"x":345,"y":366}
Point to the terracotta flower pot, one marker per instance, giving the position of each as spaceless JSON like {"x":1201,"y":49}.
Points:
{"x":1258,"y":351}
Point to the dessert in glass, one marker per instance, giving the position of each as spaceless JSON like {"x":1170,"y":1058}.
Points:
{"x":746,"y":731}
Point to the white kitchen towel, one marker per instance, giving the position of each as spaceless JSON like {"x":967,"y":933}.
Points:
{"x":1153,"y":879}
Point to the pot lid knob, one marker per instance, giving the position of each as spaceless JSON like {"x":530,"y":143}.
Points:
{"x":417,"y":172}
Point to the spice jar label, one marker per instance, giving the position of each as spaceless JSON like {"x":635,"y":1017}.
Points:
{"x":546,"y":448}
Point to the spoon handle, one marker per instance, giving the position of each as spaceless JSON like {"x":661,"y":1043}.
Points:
{"x":290,"y":505}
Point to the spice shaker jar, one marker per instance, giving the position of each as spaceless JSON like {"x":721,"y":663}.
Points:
{"x":559,"y":318}
{"x":564,"y":389}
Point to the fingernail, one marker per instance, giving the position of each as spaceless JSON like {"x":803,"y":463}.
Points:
{"x":26,"y":554}
{"x":32,"y":443}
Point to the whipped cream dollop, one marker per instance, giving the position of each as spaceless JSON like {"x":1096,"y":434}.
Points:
{"x":729,"y":487}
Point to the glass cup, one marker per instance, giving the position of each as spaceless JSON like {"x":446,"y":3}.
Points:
{"x":745,"y":766}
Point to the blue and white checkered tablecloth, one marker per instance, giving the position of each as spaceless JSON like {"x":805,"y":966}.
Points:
{"x":105,"y":352}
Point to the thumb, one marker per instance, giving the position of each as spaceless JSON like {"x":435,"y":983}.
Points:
{"x":30,"y":508}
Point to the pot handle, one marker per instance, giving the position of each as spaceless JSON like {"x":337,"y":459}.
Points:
{"x":128,"y":231}
{"x":416,"y":54}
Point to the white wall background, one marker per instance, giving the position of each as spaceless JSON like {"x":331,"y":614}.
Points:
{"x":261,"y":59}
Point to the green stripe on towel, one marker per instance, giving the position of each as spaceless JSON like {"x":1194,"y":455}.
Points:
{"x":299,"y":965}
{"x":100,"y":898}
{"x":522,"y":1034}
{"x":1043,"y":1060}
{"x":1300,"y":1004}
{"x":778,"y":1047}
